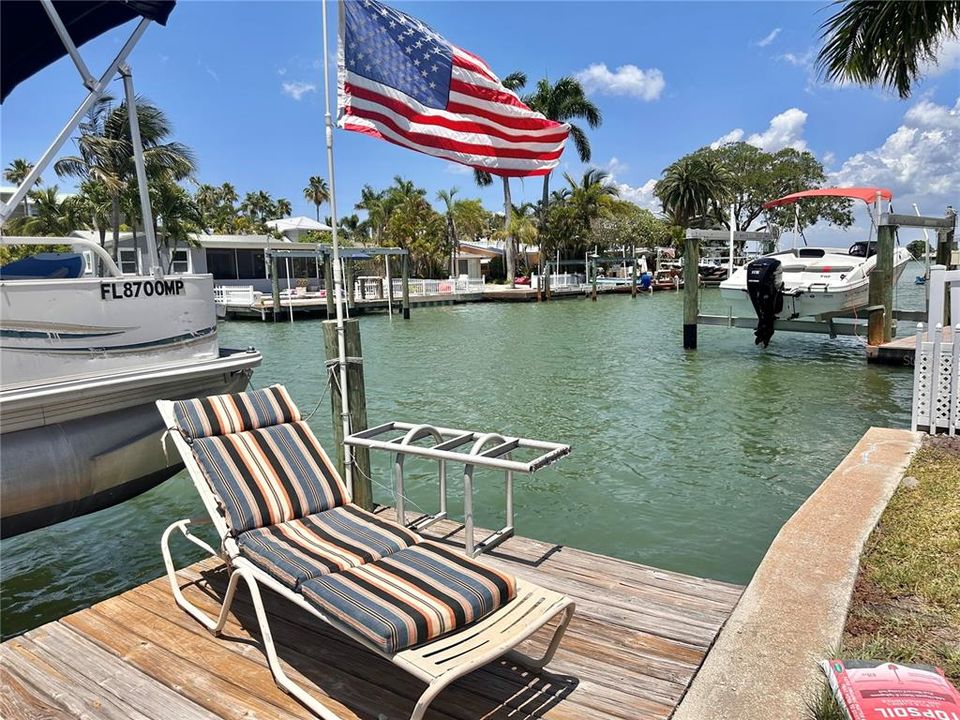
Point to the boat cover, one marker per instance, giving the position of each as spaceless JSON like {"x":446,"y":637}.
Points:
{"x":44,"y":265}
{"x":29,"y":42}
{"x":867,"y":194}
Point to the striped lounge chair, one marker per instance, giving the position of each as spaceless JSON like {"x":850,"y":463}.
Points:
{"x":286,"y":522}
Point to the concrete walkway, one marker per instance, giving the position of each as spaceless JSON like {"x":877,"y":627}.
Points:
{"x":794,"y":610}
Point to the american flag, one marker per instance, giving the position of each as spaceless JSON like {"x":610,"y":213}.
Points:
{"x":401,"y":82}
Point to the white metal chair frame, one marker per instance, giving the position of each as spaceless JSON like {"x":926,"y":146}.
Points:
{"x":437,"y":663}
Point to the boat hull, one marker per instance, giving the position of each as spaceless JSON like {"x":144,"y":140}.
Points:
{"x":72,"y":448}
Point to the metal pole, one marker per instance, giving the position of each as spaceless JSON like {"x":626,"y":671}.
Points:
{"x":88,"y":80}
{"x":733,"y":232}
{"x":7,"y":208}
{"x":796,"y":224}
{"x":155,"y":269}
{"x":337,"y":270}
{"x":289,"y":293}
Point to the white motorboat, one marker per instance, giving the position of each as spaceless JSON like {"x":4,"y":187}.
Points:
{"x":83,"y":359}
{"x":815,"y":281}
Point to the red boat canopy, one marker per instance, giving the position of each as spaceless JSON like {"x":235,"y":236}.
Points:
{"x":867,"y":194}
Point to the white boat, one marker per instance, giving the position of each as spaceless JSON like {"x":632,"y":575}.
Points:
{"x":83,"y":359}
{"x":816,"y":281}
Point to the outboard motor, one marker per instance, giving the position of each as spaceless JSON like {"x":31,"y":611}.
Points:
{"x":765,"y":288}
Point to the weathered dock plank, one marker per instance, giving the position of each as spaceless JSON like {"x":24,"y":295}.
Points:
{"x":638,"y":638}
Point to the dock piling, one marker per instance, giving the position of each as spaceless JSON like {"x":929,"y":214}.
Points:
{"x":691,"y":291}
{"x":633,"y":275}
{"x":357,"y":400}
{"x":945,"y":239}
{"x":328,"y":284}
{"x":405,"y":280}
{"x":880,"y":323}
{"x":348,"y":279}
{"x":274,"y":286}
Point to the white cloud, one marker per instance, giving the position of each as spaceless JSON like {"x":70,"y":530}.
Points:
{"x":626,"y":80}
{"x":829,"y":159}
{"x":801,"y":60}
{"x":297,"y":89}
{"x":918,"y":161}
{"x":281,"y":71}
{"x":948,"y":58}
{"x":733,"y":136}
{"x":785,"y":130}
{"x":457,"y":169}
{"x":642,"y":196}
{"x":615,"y":165}
{"x":771,"y":36}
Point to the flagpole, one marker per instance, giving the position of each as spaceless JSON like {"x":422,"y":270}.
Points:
{"x":337,"y":274}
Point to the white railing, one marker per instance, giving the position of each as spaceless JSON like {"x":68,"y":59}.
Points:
{"x":235,"y":295}
{"x":936,"y":364}
{"x":458,"y":286}
{"x":559,"y":280}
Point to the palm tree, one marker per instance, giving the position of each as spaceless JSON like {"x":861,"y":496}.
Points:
{"x":317,"y":192}
{"x":688,"y":188}
{"x":562,"y":102}
{"x":52,"y":216}
{"x":592,"y":194}
{"x":890,"y":43}
{"x":106,"y":151}
{"x":283,"y":207}
{"x":513,"y":82}
{"x":373,"y":203}
{"x":177,"y":216}
{"x":446,"y":197}
{"x":16,"y":173}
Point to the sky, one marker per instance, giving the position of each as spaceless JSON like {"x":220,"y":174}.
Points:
{"x":242,"y":83}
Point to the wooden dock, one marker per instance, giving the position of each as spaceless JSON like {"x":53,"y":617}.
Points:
{"x":636,"y":641}
{"x":900,"y":351}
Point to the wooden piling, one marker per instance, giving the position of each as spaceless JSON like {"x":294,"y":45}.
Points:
{"x":357,"y":399}
{"x":328,"y":284}
{"x":691,"y":291}
{"x":633,"y":276}
{"x":405,"y":283}
{"x":945,"y":241}
{"x":880,"y":321}
{"x":593,"y":279}
{"x":348,"y":279}
{"x":274,"y":286}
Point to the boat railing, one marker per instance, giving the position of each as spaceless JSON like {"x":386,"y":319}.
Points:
{"x":109,"y":266}
{"x":559,"y":280}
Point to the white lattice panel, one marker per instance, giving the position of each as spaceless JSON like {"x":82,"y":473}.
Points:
{"x":936,"y":402}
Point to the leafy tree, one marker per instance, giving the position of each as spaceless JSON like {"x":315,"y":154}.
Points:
{"x":918,"y":248}
{"x":317,"y":192}
{"x":16,"y":172}
{"x":565,"y":101}
{"x":106,"y":152}
{"x":419,"y":228}
{"x":753,"y":177}
{"x":887,"y":43}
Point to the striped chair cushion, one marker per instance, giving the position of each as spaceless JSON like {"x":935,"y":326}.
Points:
{"x":331,"y":541}
{"x":412,"y":596}
{"x":224,"y":414}
{"x":270,"y":475}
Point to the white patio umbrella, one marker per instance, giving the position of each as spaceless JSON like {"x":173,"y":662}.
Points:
{"x":294,"y":227}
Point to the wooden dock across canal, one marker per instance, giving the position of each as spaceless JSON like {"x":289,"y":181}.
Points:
{"x":637,"y":639}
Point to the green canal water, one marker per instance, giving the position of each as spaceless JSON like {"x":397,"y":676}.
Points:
{"x":686,"y":461}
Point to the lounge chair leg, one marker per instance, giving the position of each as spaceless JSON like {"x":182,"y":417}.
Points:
{"x":540,"y":663}
{"x":428,"y":697}
{"x":279,"y":676}
{"x":214,"y":626}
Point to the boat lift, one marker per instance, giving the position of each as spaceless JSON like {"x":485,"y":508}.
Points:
{"x":878,"y":318}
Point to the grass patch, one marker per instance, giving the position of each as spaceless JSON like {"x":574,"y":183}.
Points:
{"x":906,"y":602}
